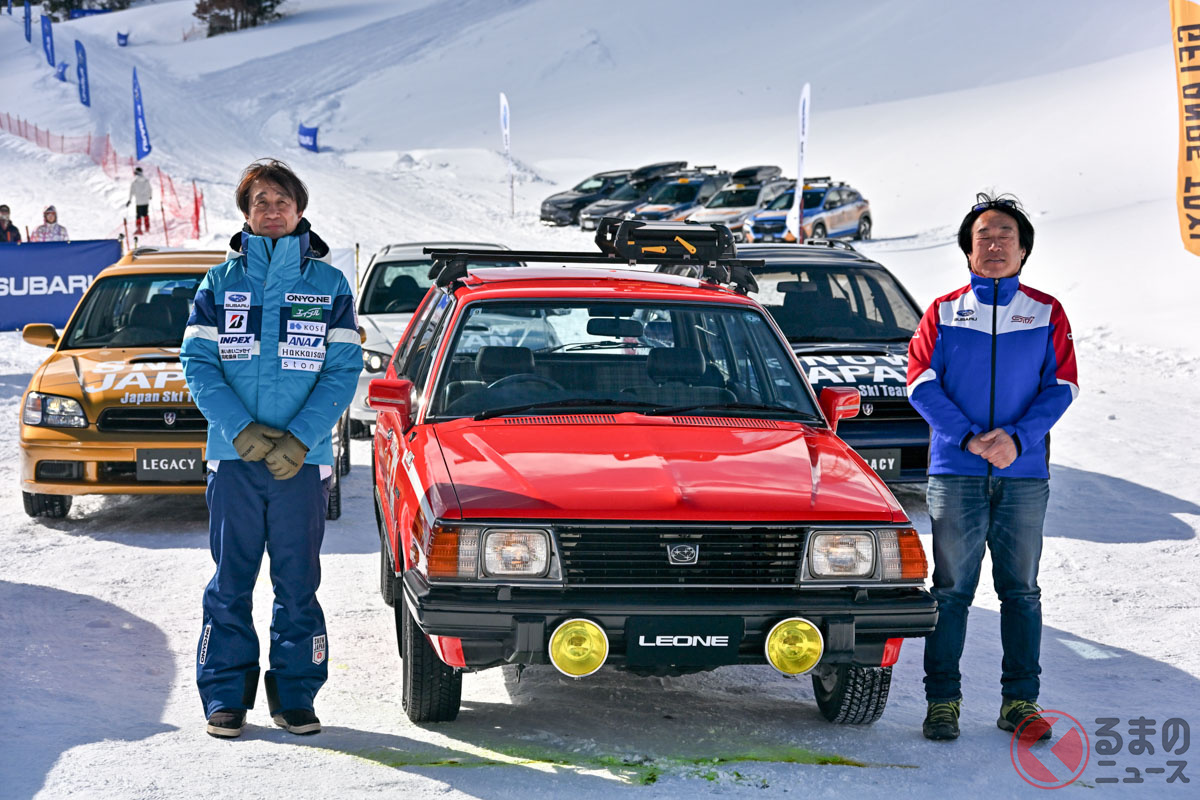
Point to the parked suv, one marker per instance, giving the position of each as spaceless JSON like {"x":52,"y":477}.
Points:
{"x":109,"y":412}
{"x":563,"y":208}
{"x":831,"y":210}
{"x":642,"y":182}
{"x":658,"y":490}
{"x":747,"y":191}
{"x":680,"y":194}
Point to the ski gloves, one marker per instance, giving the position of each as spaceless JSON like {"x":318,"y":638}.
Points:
{"x":286,"y":459}
{"x":284,"y":453}
{"x":255,"y":441}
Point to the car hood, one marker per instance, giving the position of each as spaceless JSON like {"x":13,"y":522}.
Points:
{"x":646,"y":468}
{"x":109,"y":377}
{"x":566,"y":198}
{"x":602,"y":207}
{"x":721,"y":214}
{"x":770,"y":215}
{"x":384,"y":330}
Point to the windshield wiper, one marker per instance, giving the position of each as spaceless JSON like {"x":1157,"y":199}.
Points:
{"x":735,"y":406}
{"x":567,"y":403}
{"x":591,"y":346}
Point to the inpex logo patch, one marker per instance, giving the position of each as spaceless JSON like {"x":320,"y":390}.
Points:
{"x":237,"y":301}
{"x":308,"y":299}
{"x":307,"y":312}
{"x":235,"y":346}
{"x":1022,"y":320}
{"x":235,"y":321}
{"x":319,"y":649}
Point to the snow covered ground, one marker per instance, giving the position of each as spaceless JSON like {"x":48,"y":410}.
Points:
{"x":918,"y":104}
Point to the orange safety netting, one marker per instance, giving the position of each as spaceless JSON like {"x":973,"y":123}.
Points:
{"x":175,"y":220}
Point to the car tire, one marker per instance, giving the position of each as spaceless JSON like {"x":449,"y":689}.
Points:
{"x":864,"y":228}
{"x":852,"y":695}
{"x":430,"y":691}
{"x":360,"y":429}
{"x":343,"y":463}
{"x":387,"y":581}
{"x":818,"y":231}
{"x":53,"y":506}
{"x":334,"y":509}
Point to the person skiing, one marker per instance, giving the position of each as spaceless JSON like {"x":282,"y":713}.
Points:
{"x":9,"y":233}
{"x":49,"y":230}
{"x":140,"y":193}
{"x":271,"y":354}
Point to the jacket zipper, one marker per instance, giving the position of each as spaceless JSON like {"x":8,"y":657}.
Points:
{"x":992,"y":396}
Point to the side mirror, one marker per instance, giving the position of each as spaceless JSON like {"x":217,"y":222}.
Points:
{"x":40,"y":334}
{"x":384,"y":394}
{"x":838,"y":403}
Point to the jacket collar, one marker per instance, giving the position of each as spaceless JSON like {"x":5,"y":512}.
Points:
{"x":995,"y":292}
{"x":310,"y":244}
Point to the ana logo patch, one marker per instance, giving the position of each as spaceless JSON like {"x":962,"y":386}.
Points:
{"x":237,"y":301}
{"x":307,"y":312}
{"x":319,"y":649}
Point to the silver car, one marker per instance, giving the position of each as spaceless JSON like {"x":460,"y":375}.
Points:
{"x":391,"y":288}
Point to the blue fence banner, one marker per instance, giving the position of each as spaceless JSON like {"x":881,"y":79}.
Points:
{"x":60,"y":71}
{"x":85,"y":96}
{"x":141,"y":135}
{"x":76,"y":13}
{"x":42,"y":282}
{"x":122,"y":39}
{"x":47,"y":39}
{"x":308,"y":138}
{"x":28,"y":16}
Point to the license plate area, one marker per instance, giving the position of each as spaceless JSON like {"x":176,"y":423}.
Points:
{"x":172,"y":465}
{"x":885,"y":462}
{"x":682,"y":641}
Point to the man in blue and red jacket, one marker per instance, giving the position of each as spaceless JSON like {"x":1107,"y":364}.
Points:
{"x":991,"y":368}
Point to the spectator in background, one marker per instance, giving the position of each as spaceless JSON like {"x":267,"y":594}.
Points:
{"x":9,"y":233}
{"x":49,"y":230}
{"x":140,"y":193}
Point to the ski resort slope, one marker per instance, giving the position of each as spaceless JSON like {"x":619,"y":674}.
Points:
{"x":918,"y":104}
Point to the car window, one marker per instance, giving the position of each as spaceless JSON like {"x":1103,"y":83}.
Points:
{"x":134,"y":311}
{"x":409,"y":354}
{"x":396,"y":287}
{"x":783,"y":202}
{"x":603,"y":353}
{"x":813,"y":198}
{"x":589,"y":185}
{"x":734,"y":198}
{"x":817,"y":304}
{"x":631,"y":191}
{"x":673,"y":194}
{"x":833,"y":198}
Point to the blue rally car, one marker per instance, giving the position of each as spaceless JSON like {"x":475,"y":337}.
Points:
{"x":831,"y":210}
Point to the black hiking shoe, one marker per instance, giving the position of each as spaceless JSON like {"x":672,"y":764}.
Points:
{"x":227,"y":723}
{"x":941,"y":720}
{"x":1022,"y":716}
{"x":300,"y":721}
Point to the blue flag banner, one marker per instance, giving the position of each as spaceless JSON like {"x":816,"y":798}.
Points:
{"x":42,"y":282}
{"x":28,"y":16}
{"x":308,"y":138}
{"x":81,"y":73}
{"x":10,"y":8}
{"x":47,"y":39}
{"x":122,"y":39}
{"x":60,"y":71}
{"x":141,"y":135}
{"x":76,"y":13}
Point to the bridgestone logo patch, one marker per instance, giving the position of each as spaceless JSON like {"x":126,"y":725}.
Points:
{"x":204,"y":643}
{"x":319,"y":649}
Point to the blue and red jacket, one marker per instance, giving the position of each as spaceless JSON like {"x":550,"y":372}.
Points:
{"x":993,"y":354}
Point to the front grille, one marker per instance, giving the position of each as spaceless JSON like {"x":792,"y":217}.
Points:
{"x":769,"y":225}
{"x":58,"y":471}
{"x":151,"y":419}
{"x":729,"y":555}
{"x":885,"y":411}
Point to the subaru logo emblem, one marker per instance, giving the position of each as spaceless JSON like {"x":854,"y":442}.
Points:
{"x":683,"y":554}
{"x":169,"y":418}
{"x":868,"y":409}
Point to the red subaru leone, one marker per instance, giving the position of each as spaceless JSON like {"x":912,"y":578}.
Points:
{"x":586,"y":465}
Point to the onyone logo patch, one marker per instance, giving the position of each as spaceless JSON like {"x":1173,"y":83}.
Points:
{"x":308,"y":299}
{"x":204,"y":643}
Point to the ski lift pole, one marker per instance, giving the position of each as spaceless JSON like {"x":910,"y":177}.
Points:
{"x":166,"y":233}
{"x":125,"y":222}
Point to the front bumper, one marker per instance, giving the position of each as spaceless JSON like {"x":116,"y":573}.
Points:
{"x":911,"y":437}
{"x":557,"y":215}
{"x":108,"y":467}
{"x":359,"y":410}
{"x":512,"y":625}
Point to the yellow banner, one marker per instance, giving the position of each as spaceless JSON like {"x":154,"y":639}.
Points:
{"x":1185,"y":29}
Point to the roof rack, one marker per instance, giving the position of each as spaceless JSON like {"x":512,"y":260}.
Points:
{"x":150,"y":250}
{"x":706,"y":246}
{"x":831,"y":243}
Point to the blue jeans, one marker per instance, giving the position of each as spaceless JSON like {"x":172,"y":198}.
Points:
{"x":1005,"y":514}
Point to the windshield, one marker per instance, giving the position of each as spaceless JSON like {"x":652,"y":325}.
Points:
{"x":673,"y":194}
{"x":734,"y":198}
{"x":398,"y":287}
{"x":628,"y":356}
{"x":632,"y":191}
{"x":589,"y":185}
{"x":846,"y":304}
{"x":812,"y":199}
{"x":134,"y":311}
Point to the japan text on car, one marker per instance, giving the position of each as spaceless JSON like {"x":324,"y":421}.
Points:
{"x":748,"y":191}
{"x":849,"y":320}
{"x":654,"y":488}
{"x":831,"y":210}
{"x":392,"y":286}
{"x":109,"y":412}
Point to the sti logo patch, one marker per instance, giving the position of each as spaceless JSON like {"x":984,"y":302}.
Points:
{"x":306,"y":312}
{"x":319,"y":649}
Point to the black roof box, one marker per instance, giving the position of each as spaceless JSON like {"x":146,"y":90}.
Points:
{"x":755,"y":174}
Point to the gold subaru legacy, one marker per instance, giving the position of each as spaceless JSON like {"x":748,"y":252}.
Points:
{"x":109,"y":412}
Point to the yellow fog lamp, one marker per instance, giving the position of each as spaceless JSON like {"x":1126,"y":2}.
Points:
{"x":578,"y":647}
{"x":794,"y":646}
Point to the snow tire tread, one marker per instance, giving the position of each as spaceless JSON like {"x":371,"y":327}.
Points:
{"x":858,"y":698}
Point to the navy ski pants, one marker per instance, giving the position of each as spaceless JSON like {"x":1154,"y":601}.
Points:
{"x":250,"y":511}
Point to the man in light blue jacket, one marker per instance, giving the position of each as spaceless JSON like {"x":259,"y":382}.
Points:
{"x":272,"y":355}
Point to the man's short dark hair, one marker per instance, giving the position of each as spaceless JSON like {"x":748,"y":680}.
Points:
{"x":278,"y":173}
{"x":1005,"y":204}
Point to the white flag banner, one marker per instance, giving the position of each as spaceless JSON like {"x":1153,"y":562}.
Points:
{"x":795,"y":217}
{"x":512,"y":199}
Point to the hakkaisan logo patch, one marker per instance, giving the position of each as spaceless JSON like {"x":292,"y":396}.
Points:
{"x":319,"y":649}
{"x":306,"y":327}
{"x":309,"y":299}
{"x":235,"y":346}
{"x":294,"y":351}
{"x":301,"y":364}
{"x":237,"y":301}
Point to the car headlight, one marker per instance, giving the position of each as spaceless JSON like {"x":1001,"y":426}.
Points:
{"x":374,"y":361}
{"x":512,"y":553}
{"x":842,"y":554}
{"x":53,"y":411}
